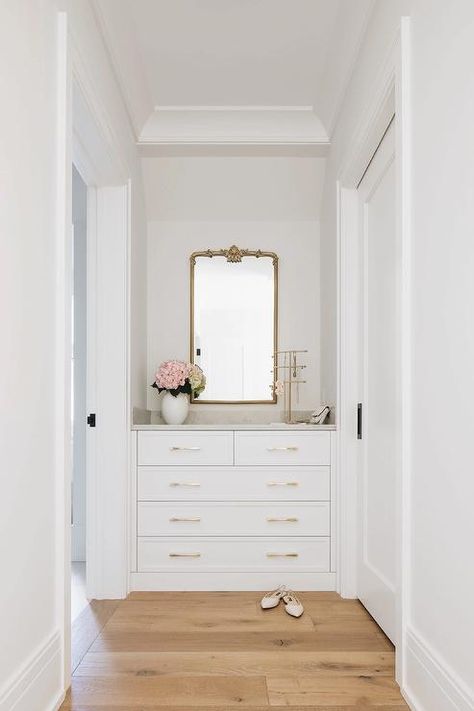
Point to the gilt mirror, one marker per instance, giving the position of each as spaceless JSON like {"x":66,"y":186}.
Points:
{"x":234,"y":321}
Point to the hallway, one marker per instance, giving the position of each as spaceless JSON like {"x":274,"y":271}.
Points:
{"x":219,"y":650}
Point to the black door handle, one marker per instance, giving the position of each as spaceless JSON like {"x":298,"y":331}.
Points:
{"x":359,"y":420}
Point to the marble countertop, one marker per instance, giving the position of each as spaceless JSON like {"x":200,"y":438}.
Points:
{"x":221,"y":426}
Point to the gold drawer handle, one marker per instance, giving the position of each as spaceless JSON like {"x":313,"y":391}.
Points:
{"x":190,"y":519}
{"x":184,"y":483}
{"x":282,"y":483}
{"x":282,"y":555}
{"x":282,"y":449}
{"x":283,"y":519}
{"x":184,"y":555}
{"x":185,"y":449}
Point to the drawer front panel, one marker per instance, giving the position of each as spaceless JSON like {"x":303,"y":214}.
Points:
{"x":234,"y":484}
{"x":277,"y":519}
{"x":185,"y":448}
{"x":282,"y":448}
{"x":257,"y":554}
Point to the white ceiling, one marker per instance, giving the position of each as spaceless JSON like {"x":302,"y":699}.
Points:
{"x":183,"y":54}
{"x":233,"y":52}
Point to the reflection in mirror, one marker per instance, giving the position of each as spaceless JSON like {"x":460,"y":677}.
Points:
{"x":234,"y":323}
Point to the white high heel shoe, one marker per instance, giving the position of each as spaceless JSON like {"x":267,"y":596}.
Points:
{"x":272,"y":599}
{"x":293,"y":605}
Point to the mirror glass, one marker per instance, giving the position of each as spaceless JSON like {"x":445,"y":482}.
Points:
{"x":234,"y":324}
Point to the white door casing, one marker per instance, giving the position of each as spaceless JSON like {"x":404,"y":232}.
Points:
{"x":379,"y":369}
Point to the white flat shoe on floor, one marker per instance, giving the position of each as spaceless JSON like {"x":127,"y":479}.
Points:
{"x":272,"y":599}
{"x":292,"y":605}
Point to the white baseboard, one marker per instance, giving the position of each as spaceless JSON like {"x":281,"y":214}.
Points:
{"x":430,"y":685}
{"x":38,"y":685}
{"x":222,"y":581}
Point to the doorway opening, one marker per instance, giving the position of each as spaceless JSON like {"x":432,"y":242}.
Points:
{"x":79,"y":599}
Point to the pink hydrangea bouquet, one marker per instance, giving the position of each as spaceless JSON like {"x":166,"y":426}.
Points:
{"x":176,"y":377}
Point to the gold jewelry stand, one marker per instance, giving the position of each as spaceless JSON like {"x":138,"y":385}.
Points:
{"x":291,"y":377}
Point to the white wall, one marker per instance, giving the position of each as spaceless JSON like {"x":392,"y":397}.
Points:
{"x":31,"y":659}
{"x":27,"y":380}
{"x":439,"y":673}
{"x":297,"y":245}
{"x":442,"y":613}
{"x":269,"y":203}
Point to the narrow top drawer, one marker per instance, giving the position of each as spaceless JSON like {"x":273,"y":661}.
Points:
{"x":185,"y":448}
{"x":282,"y":448}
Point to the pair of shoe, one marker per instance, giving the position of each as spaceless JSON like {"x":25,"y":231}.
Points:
{"x":293,"y":606}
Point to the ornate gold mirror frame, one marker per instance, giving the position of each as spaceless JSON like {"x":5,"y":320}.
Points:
{"x":235,"y":255}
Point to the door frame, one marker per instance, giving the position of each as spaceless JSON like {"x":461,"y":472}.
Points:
{"x":85,"y":139}
{"x":390,"y":97}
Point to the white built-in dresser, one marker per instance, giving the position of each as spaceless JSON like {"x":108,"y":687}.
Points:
{"x":232,"y":508}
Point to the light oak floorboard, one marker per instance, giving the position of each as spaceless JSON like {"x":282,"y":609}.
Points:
{"x":284,"y":663}
{"x":134,"y":707}
{"x":308,"y":691}
{"x":210,"y":651}
{"x":170,"y":691}
{"x":144,"y":616}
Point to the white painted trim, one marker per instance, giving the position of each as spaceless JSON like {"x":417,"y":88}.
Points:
{"x":243,"y":107}
{"x":38,"y":685}
{"x":100,"y":169}
{"x":333,"y":495}
{"x":348,"y":279}
{"x":235,"y":580}
{"x":133,"y":540}
{"x":431,"y":685}
{"x":242,"y":140}
{"x":374,"y":119}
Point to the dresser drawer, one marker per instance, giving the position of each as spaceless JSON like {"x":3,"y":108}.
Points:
{"x":282,"y":448}
{"x":225,"y":519}
{"x":227,"y":554}
{"x":233,"y":484}
{"x":185,"y":448}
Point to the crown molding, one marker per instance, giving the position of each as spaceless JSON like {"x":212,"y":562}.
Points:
{"x":234,"y":126}
{"x":243,"y":107}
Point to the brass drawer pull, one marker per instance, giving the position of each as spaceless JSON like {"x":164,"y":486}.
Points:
{"x":282,"y":449}
{"x":282,"y":555}
{"x":185,"y":449}
{"x":189,"y":519}
{"x":184,"y":483}
{"x":184,"y":555}
{"x":282,"y":483}
{"x":282,"y":519}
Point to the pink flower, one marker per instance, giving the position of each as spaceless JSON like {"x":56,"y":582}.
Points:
{"x":172,"y":374}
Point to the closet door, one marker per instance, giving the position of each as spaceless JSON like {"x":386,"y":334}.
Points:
{"x":379,"y":369}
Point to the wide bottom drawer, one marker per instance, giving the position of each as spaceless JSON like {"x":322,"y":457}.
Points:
{"x":232,"y":554}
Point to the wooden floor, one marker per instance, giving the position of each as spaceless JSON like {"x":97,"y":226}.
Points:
{"x":216,"y":651}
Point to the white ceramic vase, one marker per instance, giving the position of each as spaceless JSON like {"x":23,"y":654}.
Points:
{"x":174,"y":410}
